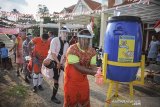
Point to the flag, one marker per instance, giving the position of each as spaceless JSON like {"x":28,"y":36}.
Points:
{"x":90,"y":26}
{"x":92,"y":22}
{"x":157,"y":26}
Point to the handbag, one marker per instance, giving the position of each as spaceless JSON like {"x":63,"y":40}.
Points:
{"x":53,"y":64}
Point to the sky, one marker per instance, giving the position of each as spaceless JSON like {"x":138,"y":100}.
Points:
{"x":31,"y":6}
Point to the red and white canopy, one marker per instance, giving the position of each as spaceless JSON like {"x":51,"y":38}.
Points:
{"x":9,"y":30}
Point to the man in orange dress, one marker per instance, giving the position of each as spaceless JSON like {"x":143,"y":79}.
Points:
{"x":80,"y":62}
{"x":40,"y":51}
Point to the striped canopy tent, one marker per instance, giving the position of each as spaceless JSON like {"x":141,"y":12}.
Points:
{"x":148,"y":10}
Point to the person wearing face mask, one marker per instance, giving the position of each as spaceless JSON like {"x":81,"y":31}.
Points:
{"x":80,"y":62}
{"x":57,"y":51}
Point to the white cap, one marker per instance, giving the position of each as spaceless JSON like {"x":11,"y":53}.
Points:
{"x":64,"y":29}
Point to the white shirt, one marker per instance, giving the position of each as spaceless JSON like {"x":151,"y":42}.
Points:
{"x":55,"y":48}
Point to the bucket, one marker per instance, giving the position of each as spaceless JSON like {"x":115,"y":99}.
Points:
{"x":123,"y":43}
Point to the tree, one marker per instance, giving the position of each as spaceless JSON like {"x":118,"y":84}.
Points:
{"x":44,"y":14}
{"x":96,"y":31}
{"x":15,"y":11}
{"x":43,"y":10}
{"x":36,"y":31}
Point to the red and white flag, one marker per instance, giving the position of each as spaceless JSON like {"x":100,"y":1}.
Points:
{"x":157,"y":26}
{"x":90,"y":26}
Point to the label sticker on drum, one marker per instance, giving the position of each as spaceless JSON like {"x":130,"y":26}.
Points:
{"x":126,"y":48}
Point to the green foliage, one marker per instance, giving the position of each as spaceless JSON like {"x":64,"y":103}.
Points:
{"x":96,"y":31}
{"x":43,"y":10}
{"x":45,"y":30}
{"x":15,"y":11}
{"x":46,"y":20}
{"x":35,"y":31}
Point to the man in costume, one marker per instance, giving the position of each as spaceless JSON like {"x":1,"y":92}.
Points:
{"x":80,"y":62}
{"x":57,"y":51}
{"x":39,"y":53}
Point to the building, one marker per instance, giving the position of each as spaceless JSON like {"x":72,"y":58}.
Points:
{"x":79,"y":15}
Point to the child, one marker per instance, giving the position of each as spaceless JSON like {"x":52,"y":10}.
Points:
{"x":4,"y":55}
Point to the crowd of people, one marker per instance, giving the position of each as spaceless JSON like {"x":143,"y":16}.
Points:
{"x":77,"y":59}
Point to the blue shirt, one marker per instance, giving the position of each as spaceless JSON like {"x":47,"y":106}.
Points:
{"x":4,"y":52}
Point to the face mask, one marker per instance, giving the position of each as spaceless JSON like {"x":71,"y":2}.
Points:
{"x":84,"y":42}
{"x":64,"y":36}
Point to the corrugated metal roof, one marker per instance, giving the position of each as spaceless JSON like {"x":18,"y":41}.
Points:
{"x":148,"y":12}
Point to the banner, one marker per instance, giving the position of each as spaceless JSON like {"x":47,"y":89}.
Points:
{"x":126,"y":48}
{"x":9,"y":30}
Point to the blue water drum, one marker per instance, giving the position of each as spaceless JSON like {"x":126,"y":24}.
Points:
{"x":123,"y":43}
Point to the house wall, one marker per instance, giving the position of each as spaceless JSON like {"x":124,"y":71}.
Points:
{"x":111,"y":3}
{"x":81,"y":8}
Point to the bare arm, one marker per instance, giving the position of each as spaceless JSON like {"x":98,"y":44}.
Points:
{"x":30,"y":44}
{"x":14,"y":46}
{"x":84,"y":70}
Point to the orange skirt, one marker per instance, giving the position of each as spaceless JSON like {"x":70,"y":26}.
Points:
{"x":76,"y":93}
{"x":35,"y":67}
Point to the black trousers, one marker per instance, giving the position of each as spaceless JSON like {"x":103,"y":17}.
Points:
{"x":56,"y":73}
